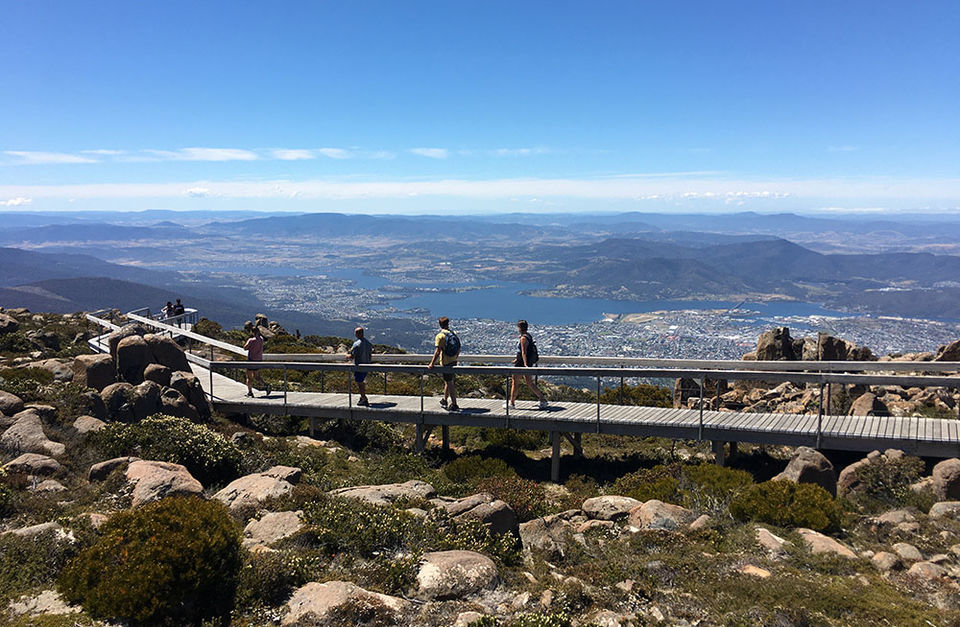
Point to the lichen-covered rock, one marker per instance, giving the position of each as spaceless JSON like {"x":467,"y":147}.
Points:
{"x":656,"y":514}
{"x":10,"y":404}
{"x":145,"y":399}
{"x":775,"y":345}
{"x":47,"y":602}
{"x":26,"y":436}
{"x":271,"y":527}
{"x":550,"y":534}
{"x":609,"y":507}
{"x":61,"y":371}
{"x":319,"y":598}
{"x":189,"y":386}
{"x":885,"y":561}
{"x":114,"y":339}
{"x":494,"y":513}
{"x":8,"y":324}
{"x":88,"y":424}
{"x":454,"y":574}
{"x":158,"y":373}
{"x":773,"y":543}
{"x":868,"y":404}
{"x":291,"y":474}
{"x":94,"y":371}
{"x":387,"y":493}
{"x":173,"y":403}
{"x":945,"y":509}
{"x":928,"y":571}
{"x":948,"y":352}
{"x":99,"y":471}
{"x":819,"y":543}
{"x":907,"y":552}
{"x":946,"y":479}
{"x":250,"y":490}
{"x":157,"y":480}
{"x":810,"y":466}
{"x":118,"y":399}
{"x":164,"y":351}
{"x":132,"y":358}
{"x":33,"y":464}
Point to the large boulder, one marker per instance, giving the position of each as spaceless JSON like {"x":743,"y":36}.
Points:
{"x":830,"y":348}
{"x":61,"y":370}
{"x":153,"y":481}
{"x":494,"y":513}
{"x":166,"y":352}
{"x":157,"y":373}
{"x":10,"y":404}
{"x":946,"y":480}
{"x":271,"y":527}
{"x":609,"y":507}
{"x":819,"y":543}
{"x":133,"y":355}
{"x":550,"y":534}
{"x":189,"y":386}
{"x":946,"y":509}
{"x":173,"y":403}
{"x":387,"y":493}
{"x":251,"y":490}
{"x":868,"y":404}
{"x":454,"y":574}
{"x":656,"y":514}
{"x":810,"y":466}
{"x":118,"y":400}
{"x":848,"y":481}
{"x":8,"y":324}
{"x":94,"y":371}
{"x":26,"y":436}
{"x":145,"y":399}
{"x":33,"y":464}
{"x":775,"y":345}
{"x":949,"y":352}
{"x":317,"y":599}
{"x":129,"y":330}
{"x":100,"y":470}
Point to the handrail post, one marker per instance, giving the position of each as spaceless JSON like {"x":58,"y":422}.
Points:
{"x":284,"y":389}
{"x":421,"y":398}
{"x":621,"y":389}
{"x":323,"y":381}
{"x":700,"y":428}
{"x":820,"y":416}
{"x":598,"y":403}
{"x":385,"y":373}
{"x":350,"y":389}
{"x":506,"y":402}
{"x":210,"y":370}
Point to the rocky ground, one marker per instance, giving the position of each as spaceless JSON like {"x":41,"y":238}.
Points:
{"x":352,"y":528}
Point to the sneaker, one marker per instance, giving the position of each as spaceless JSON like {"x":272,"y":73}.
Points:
{"x":544,"y":404}
{"x":453,"y":407}
{"x":509,"y":405}
{"x":443,"y":402}
{"x":268,"y":389}
{"x":249,"y":394}
{"x":363,"y":402}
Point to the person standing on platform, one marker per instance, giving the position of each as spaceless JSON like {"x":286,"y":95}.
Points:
{"x":446,"y":350}
{"x":254,"y":348}
{"x":361,"y":353}
{"x":527,"y":357}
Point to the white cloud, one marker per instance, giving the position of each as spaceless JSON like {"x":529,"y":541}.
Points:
{"x":32,"y":157}
{"x":335,"y":153}
{"x":433,"y":153}
{"x":519,"y":152}
{"x":198,"y":192}
{"x":19,"y":201}
{"x":105,"y":153}
{"x":293,"y":154}
{"x":204,"y":154}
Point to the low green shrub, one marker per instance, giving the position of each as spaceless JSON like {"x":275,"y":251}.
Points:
{"x":473,"y":468}
{"x":16,"y":342}
{"x":541,"y":619}
{"x":172,"y":562}
{"x":788,"y":504}
{"x":8,"y":501}
{"x":885,"y":483}
{"x":209,"y":456}
{"x":527,"y":498}
{"x":25,"y":382}
{"x":711,"y":487}
{"x":268,"y":579}
{"x":660,"y":482}
{"x":26,"y":563}
{"x":516,"y":438}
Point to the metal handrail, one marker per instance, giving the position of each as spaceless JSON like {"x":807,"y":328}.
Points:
{"x":189,"y":334}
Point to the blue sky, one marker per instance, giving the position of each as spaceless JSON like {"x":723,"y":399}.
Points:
{"x":480,"y":106}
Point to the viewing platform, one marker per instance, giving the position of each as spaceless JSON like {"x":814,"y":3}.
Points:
{"x":928,"y":437}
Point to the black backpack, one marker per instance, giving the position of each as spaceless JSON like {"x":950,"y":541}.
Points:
{"x":451,"y":344}
{"x":532,"y":355}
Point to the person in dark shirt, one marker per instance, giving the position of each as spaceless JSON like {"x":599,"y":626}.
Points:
{"x":361,"y":353}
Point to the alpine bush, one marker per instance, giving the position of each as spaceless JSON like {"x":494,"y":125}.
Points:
{"x":885,"y":483}
{"x":711,"y":487}
{"x":788,"y":504}
{"x":527,"y":498}
{"x":473,"y":468}
{"x":659,"y":482}
{"x":209,"y":456}
{"x":173,"y":562}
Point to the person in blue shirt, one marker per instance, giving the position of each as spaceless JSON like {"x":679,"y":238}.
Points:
{"x":361,"y":353}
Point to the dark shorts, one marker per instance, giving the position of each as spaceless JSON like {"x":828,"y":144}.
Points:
{"x":447,"y":376}
{"x":518,"y":363}
{"x":359,"y":376}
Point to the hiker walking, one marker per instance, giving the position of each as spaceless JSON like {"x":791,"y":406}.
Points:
{"x":361,"y":353}
{"x":527,"y":357}
{"x":447,"y":349}
{"x":254,"y":348}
